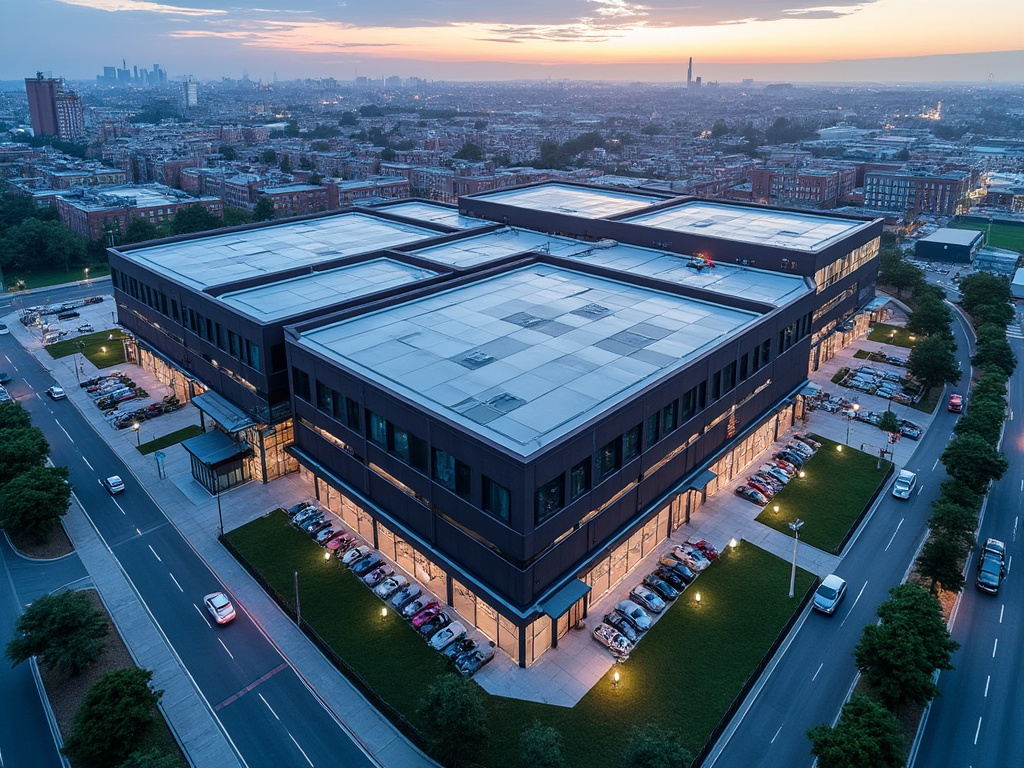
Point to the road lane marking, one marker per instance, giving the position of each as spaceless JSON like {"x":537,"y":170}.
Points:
{"x":1001,"y":609}
{"x":225,"y":648}
{"x":776,"y":735}
{"x":154,"y":552}
{"x":935,"y":465}
{"x":268,"y":705}
{"x":303,"y":751}
{"x":203,"y":615}
{"x":894,"y":534}
{"x":854,"y":604}
{"x":118,"y":505}
{"x":818,"y":670}
{"x":975,"y":733}
{"x":995,"y":644}
{"x":987,"y":681}
{"x":178,"y":585}
{"x":919,"y":489}
{"x":63,"y":430}
{"x":249,"y":687}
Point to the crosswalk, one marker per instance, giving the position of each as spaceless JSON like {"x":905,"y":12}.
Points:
{"x":1016,"y":330}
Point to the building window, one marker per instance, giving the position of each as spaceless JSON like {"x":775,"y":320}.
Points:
{"x":579,"y":479}
{"x":324,"y":398}
{"x":693,"y":402}
{"x":716,"y":385}
{"x":234,"y":345}
{"x":300,"y":382}
{"x":377,"y":429}
{"x":669,"y":417}
{"x":278,"y":357}
{"x":729,"y":377}
{"x":550,"y":499}
{"x":653,"y":428}
{"x":497,"y":499}
{"x":609,"y":459}
{"x":352,"y":414}
{"x":744,"y":362}
{"x":406,"y":446}
{"x":631,"y":443}
{"x":252,"y":352}
{"x":452,"y":474}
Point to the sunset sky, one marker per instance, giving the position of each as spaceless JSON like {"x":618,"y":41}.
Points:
{"x":492,"y":39}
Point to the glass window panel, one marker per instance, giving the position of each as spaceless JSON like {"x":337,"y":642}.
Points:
{"x":497,"y":499}
{"x":550,"y":498}
{"x":579,"y":479}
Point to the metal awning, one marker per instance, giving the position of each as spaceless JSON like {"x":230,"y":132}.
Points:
{"x":214,"y":447}
{"x":699,"y":482}
{"x":564,"y":599}
{"x":223,"y":411}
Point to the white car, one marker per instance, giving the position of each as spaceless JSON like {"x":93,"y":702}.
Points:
{"x":904,"y":484}
{"x":637,"y":616}
{"x":613,"y":640}
{"x":829,"y":594}
{"x":440,"y":639}
{"x":113,"y":484}
{"x":389,"y":586}
{"x":219,"y":607}
{"x":356,"y":553}
{"x":56,"y":393}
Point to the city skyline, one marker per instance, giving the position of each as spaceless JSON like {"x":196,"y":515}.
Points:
{"x":798,"y":40}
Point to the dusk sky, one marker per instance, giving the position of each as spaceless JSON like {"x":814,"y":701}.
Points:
{"x":497,"y":39}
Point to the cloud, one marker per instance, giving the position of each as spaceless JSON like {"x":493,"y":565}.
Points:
{"x":114,"y":6}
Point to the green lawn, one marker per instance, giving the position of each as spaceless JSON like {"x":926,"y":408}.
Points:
{"x":828,"y":506}
{"x":1000,"y":235}
{"x":99,"y":348}
{"x":927,"y":403}
{"x":172,"y":438}
{"x":683,"y":675}
{"x":892,"y":334}
{"x":43,"y":278}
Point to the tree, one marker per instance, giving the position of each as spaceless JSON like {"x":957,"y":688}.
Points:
{"x":62,"y":630}
{"x":12,"y":415}
{"x":953,"y":521}
{"x":540,"y":746}
{"x":942,"y":561}
{"x":116,"y":713}
{"x":21,"y":448}
{"x":888,"y":422}
{"x":933,"y":361}
{"x":138,"y":231}
{"x":992,"y":384}
{"x":286,"y":165}
{"x":974,"y":461}
{"x":866,"y":734}
{"x":268,"y":157}
{"x":347,"y":119}
{"x":983,"y":288}
{"x":956,"y":491}
{"x":1000,"y":313}
{"x":454,"y":718}
{"x":902,"y":275}
{"x":719,"y":129}
{"x":995,"y":354}
{"x":652,"y":747}
{"x":33,"y":502}
{"x":264,"y":210}
{"x":985,"y":418}
{"x":227,"y":152}
{"x":471,"y":152}
{"x":194,"y":218}
{"x":234,"y":217}
{"x":899,"y":655}
{"x":931,"y":316}
{"x":151,"y":758}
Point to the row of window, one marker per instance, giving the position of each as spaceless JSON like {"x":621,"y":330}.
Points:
{"x":846,"y":265}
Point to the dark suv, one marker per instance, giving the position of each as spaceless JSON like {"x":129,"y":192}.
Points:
{"x":990,"y":573}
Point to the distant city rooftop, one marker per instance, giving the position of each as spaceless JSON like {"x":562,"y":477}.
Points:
{"x":297,"y":186}
{"x":144,"y":195}
{"x":287,"y":298}
{"x":747,"y":224}
{"x":523,"y":358}
{"x":953,"y":236}
{"x":218,"y":259}
{"x":435,"y":214}
{"x":575,"y":201}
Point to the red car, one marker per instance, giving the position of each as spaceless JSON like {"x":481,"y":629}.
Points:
{"x":426,"y":613}
{"x":705,"y":548}
{"x":956,"y":403}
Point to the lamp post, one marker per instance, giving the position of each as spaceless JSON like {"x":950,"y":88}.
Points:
{"x":220,"y":514}
{"x":78,"y":362}
{"x":87,"y":274}
{"x":849,"y":420}
{"x":795,"y":528}
{"x":136,"y":427}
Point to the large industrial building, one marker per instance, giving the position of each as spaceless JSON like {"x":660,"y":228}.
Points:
{"x":515,"y":401}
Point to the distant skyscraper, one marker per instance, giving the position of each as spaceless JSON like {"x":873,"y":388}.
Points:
{"x":191,"y":93}
{"x":689,"y":74}
{"x":54,"y":109}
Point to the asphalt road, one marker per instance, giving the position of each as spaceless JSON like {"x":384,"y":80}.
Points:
{"x":815,"y":672}
{"x":270,"y":715}
{"x":12,"y":302}
{"x":975,"y":721}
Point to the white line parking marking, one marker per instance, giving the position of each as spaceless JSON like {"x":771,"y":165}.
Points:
{"x":178,"y":586}
{"x":154,"y":552}
{"x":225,"y":648}
{"x":268,"y":705}
{"x":301,"y":750}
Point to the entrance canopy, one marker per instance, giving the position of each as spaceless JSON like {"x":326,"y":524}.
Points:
{"x":564,"y":599}
{"x":214,"y":447}
{"x":223,"y":411}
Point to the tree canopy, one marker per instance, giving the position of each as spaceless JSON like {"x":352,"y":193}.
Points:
{"x":34,"y":501}
{"x":454,"y":717}
{"x":866,"y":734}
{"x":974,"y":461}
{"x":931,"y":316}
{"x":933,"y":361}
{"x":540,"y":746}
{"x":649,"y":746}
{"x":983,"y":288}
{"x":194,"y":218}
{"x":62,"y":630}
{"x":21,"y":448}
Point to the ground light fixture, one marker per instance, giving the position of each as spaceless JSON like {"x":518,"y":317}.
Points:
{"x":775,"y":509}
{"x":615,"y":679}
{"x":733,"y":543}
{"x":839,"y":448}
{"x":383,"y":613}
{"x":802,"y":474}
{"x":327,"y":555}
{"x":697,"y":597}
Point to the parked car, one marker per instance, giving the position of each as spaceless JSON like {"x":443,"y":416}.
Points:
{"x":310,"y":525}
{"x":441,"y":639}
{"x":691,"y":556}
{"x":56,"y":393}
{"x":661,"y":586}
{"x":636,"y":615}
{"x":320,"y":525}
{"x":296,"y":508}
{"x":805,"y":438}
{"x":416,"y":605}
{"x":622,"y":625}
{"x":5,"y":396}
{"x":776,"y":474}
{"x":306,"y":514}
{"x":909,"y":429}
{"x":751,"y":494}
{"x":377,"y":575}
{"x":761,"y":487}
{"x":706,"y":549}
{"x":672,"y":577}
{"x":990,"y":573}
{"x":390,"y":586}
{"x":404,"y":596}
{"x":4,"y":377}
{"x":829,"y":594}
{"x":956,"y":403}
{"x":433,"y":623}
{"x":786,"y":469}
{"x":68,"y":315}
{"x":113,"y":484}
{"x":220,"y":607}
{"x":792,"y":469}
{"x":355,"y":554}
{"x":459,"y":647}
{"x":367,"y":564}
{"x":426,"y":613}
{"x":648,"y":598}
{"x":904,"y":485}
{"x":614,"y":641}
{"x":791,"y":457}
{"x":800,"y":448}
{"x":324,"y":534}
{"x":470,"y":663}
{"x":680,"y":569}
{"x":336,"y":540}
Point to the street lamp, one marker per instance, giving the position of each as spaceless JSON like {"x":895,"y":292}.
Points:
{"x":849,"y":420}
{"x":795,"y":528}
{"x":220,"y":514}
{"x":78,"y":362}
{"x":87,"y":274}
{"x":138,"y":435}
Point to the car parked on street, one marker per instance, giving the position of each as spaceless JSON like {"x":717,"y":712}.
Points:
{"x":4,"y":377}
{"x":829,"y":594}
{"x":220,"y":607}
{"x":904,"y":485}
{"x":56,"y":393}
{"x":997,"y":548}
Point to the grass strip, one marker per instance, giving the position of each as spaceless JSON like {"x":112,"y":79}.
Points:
{"x":170,"y":439}
{"x":893,"y":334}
{"x":102,"y":348}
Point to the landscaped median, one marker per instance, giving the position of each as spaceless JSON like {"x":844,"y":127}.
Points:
{"x":838,"y":485}
{"x":683,"y":675}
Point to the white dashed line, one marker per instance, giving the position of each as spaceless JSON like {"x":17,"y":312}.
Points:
{"x":995,"y":645}
{"x":268,"y":705}
{"x":818,"y":670}
{"x":976,"y":732}
{"x":118,"y":506}
{"x":301,"y":750}
{"x":225,"y":648}
{"x":1001,"y":609}
{"x":200,"y":610}
{"x":62,"y":429}
{"x":179,"y":588}
{"x":894,"y":534}
{"x":87,"y":463}
{"x":987,"y":681}
{"x":154,"y":552}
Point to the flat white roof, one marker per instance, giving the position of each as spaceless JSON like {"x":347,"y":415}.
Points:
{"x":322,"y":289}
{"x":576,"y":201}
{"x":762,"y":226}
{"x":435,"y":214}
{"x":523,"y":358}
{"x":218,"y":259}
{"x":953,"y":236}
{"x":490,"y":246}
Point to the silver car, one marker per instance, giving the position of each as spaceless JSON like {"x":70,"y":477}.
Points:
{"x":829,"y":594}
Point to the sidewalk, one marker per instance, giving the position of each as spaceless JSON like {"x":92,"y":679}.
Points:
{"x":193,"y":511}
